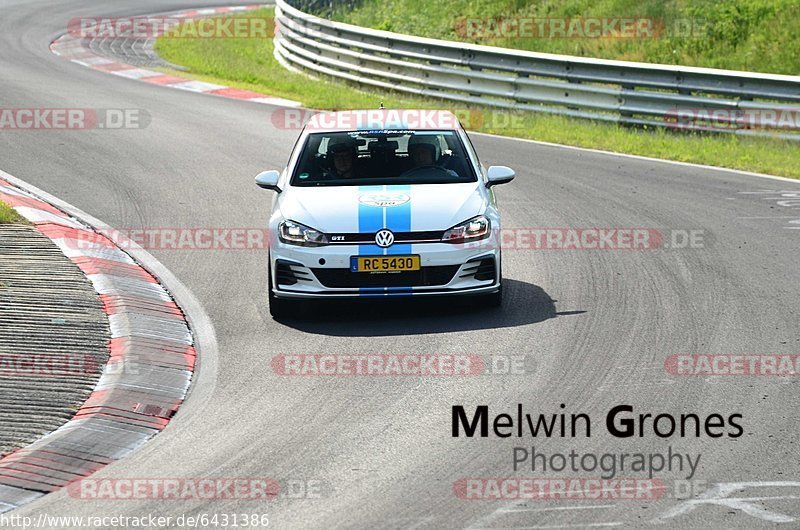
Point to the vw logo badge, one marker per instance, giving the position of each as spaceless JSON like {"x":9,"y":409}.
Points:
{"x":384,"y":238}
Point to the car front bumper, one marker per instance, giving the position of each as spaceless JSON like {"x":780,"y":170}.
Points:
{"x":324,"y":272}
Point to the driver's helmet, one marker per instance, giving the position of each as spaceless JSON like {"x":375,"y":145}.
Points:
{"x":426,"y":142}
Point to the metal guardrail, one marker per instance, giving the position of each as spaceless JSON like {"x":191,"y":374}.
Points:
{"x":695,"y":99}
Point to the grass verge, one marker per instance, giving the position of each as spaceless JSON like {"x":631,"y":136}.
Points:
{"x":8,"y":215}
{"x":249,"y":64}
{"x":754,"y":35}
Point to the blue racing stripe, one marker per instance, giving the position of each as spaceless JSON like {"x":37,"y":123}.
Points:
{"x":370,"y":220}
{"x":398,"y":219}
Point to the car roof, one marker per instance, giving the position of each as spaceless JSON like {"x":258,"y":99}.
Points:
{"x":383,"y":119}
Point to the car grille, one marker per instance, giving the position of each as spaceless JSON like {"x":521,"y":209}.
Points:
{"x":426,"y":276}
{"x":368,"y":238}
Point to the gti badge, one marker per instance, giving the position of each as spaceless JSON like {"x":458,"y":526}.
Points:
{"x":384,"y":238}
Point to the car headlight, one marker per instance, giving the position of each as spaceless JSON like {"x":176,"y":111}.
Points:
{"x":299,"y":234}
{"x":473,"y":229}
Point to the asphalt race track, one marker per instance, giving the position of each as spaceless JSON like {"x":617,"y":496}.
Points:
{"x":596,"y":326}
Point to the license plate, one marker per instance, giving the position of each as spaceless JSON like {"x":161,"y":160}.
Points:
{"x":384,"y":263}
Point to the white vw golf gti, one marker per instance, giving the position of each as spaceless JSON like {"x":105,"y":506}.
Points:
{"x":383,"y":203}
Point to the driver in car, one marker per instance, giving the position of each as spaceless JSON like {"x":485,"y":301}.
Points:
{"x":342,"y":156}
{"x":425,"y":151}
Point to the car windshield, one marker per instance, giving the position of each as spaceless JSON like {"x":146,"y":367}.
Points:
{"x":382,"y":157}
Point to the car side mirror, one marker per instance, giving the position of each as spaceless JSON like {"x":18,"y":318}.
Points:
{"x":268,"y":180}
{"x":499,"y":175}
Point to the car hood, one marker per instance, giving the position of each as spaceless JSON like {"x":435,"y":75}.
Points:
{"x":350,"y":209}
